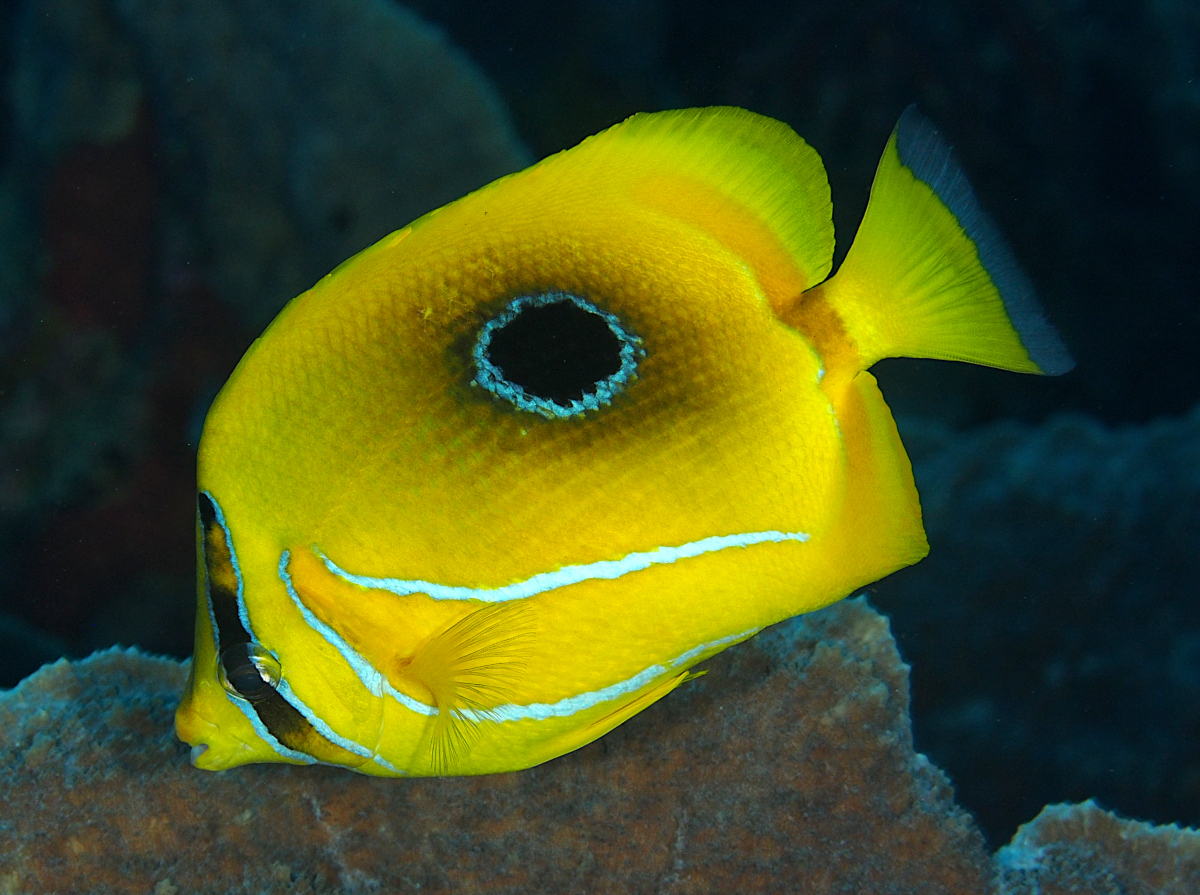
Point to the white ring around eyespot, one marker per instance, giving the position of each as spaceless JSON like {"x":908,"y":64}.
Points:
{"x":492,"y":378}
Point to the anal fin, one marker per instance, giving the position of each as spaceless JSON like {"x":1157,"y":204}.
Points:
{"x":603,"y":725}
{"x":471,"y":668}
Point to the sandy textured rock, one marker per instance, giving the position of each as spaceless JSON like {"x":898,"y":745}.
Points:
{"x":788,"y":767}
{"x":1071,"y":849}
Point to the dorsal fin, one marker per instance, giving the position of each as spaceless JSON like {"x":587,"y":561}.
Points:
{"x":756,"y":162}
{"x":748,"y":181}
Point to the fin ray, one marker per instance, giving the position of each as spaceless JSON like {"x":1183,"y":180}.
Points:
{"x":758,"y":162}
{"x":928,"y":274}
{"x":931,"y":160}
{"x":470,"y":668}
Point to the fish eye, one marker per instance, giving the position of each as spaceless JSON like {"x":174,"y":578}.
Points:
{"x":556,"y":355}
{"x":250,"y":671}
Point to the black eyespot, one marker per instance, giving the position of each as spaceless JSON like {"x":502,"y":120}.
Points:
{"x":249,"y":671}
{"x":555,"y":354}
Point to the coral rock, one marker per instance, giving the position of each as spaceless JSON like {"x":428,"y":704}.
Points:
{"x":1082,"y":848}
{"x":788,"y":767}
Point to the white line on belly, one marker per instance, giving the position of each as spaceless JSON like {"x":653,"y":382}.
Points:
{"x":377,"y":683}
{"x":564,"y":708}
{"x":368,"y":675}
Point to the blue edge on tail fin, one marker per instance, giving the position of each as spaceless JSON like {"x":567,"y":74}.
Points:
{"x":926,"y":154}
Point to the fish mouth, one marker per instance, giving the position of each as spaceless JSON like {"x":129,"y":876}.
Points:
{"x":213,"y":754}
{"x":213,"y":748}
{"x":197,"y":732}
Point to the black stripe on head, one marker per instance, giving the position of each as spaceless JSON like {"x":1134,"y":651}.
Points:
{"x":221,"y":578}
{"x":247,"y":669}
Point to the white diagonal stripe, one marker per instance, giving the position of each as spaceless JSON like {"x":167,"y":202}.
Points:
{"x":367,"y":674}
{"x":567,"y":575}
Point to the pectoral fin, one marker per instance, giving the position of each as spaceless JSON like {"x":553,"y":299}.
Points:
{"x":470,"y":668}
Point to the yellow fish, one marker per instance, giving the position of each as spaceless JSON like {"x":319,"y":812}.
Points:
{"x":499,"y":481}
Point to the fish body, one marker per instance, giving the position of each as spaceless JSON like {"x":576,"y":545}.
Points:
{"x":495,"y":484}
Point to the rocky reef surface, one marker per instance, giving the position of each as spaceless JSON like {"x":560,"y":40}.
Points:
{"x":788,"y":767}
{"x":1082,"y":848}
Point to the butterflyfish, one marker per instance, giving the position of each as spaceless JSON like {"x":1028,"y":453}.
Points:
{"x":501,"y":480}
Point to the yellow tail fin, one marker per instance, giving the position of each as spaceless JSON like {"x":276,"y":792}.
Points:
{"x":928,"y":275}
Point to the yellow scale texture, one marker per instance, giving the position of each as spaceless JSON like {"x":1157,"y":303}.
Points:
{"x":354,"y":429}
